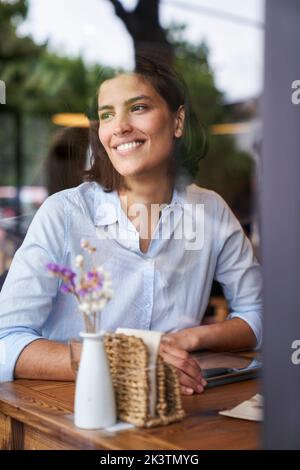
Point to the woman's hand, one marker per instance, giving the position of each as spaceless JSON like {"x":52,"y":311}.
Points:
{"x":189,"y":371}
{"x":187,"y":339}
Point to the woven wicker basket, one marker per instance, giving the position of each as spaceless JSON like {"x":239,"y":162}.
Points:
{"x":128,"y":359}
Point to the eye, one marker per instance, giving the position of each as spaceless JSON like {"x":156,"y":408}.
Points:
{"x":139,"y":107}
{"x":104,"y":116}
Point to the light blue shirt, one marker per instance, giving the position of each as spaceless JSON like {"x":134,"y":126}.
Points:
{"x":197,"y":239}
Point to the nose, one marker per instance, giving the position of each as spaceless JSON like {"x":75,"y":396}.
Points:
{"x":122,"y":126}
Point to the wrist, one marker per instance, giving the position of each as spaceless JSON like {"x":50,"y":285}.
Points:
{"x":204,"y":336}
{"x":196,"y":338}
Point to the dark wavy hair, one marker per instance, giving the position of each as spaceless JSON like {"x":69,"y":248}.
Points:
{"x":188,"y":149}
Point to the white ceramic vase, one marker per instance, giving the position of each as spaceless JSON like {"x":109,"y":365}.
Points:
{"x":95,"y":405}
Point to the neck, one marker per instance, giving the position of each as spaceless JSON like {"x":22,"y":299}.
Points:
{"x":151,"y":194}
{"x":148,"y":191}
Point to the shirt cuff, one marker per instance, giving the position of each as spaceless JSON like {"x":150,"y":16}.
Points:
{"x":11,"y":347}
{"x":254,"y":320}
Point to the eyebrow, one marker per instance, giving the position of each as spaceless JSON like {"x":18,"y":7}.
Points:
{"x":130,"y":101}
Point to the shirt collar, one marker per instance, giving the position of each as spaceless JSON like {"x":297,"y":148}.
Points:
{"x":107,"y":205}
{"x":178,"y":198}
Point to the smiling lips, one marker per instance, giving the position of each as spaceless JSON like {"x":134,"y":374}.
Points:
{"x":128,"y":146}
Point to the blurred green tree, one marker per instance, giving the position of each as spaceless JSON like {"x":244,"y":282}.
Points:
{"x":36,"y":79}
{"x":17,"y":54}
{"x":42,"y":82}
{"x":143,"y":25}
{"x":225,"y":169}
{"x":38,"y":84}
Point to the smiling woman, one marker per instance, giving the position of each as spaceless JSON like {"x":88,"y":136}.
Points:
{"x":156,"y":105}
{"x":137,"y":133}
{"x":162,"y":239}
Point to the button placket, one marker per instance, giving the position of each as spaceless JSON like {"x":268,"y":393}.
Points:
{"x":148,"y":291}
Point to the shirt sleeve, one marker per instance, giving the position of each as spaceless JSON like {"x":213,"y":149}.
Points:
{"x":238,"y":271}
{"x":29,"y":291}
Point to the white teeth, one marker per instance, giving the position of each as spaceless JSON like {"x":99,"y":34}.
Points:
{"x":129,"y":145}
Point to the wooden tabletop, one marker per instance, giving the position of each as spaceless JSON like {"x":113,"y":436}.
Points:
{"x":39,"y":415}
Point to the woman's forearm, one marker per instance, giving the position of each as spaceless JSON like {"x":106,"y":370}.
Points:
{"x":229,"y":335}
{"x":45,"y":360}
{"x":49,"y":360}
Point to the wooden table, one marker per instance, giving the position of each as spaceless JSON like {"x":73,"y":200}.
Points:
{"x":39,"y":415}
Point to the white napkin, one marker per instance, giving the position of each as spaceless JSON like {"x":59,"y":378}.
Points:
{"x":251,"y":410}
{"x":152,"y":341}
{"x":120,"y":426}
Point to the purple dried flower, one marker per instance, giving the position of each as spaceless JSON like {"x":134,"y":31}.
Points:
{"x":65,"y":288}
{"x":87,"y":289}
{"x":55,"y":268}
{"x":90,"y":275}
{"x":64,"y":273}
{"x":82,"y":292}
{"x":68,"y":273}
{"x":94,"y":280}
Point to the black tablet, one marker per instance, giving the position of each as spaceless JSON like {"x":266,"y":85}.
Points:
{"x":222,"y":375}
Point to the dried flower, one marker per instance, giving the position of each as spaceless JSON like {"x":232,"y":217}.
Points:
{"x":79,"y":261}
{"x":93,"y":289}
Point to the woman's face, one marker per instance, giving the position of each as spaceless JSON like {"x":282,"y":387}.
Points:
{"x":136,"y":126}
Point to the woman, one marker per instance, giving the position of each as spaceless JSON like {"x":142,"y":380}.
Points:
{"x":162,"y":240}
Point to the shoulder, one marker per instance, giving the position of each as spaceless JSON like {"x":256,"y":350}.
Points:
{"x":57,"y":206}
{"x":211,"y":200}
{"x":74,"y":195}
{"x":81,"y":204}
{"x":64,"y":213}
{"x":81,"y":197}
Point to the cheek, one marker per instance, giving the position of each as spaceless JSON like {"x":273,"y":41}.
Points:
{"x":103,"y":137}
{"x":164,"y":137}
{"x":163,"y":128}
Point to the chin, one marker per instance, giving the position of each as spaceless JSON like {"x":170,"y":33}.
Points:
{"x":131,"y":171}
{"x":133,"y":174}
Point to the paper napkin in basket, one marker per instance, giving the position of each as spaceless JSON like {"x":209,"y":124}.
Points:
{"x":152,"y":341}
{"x":251,"y":409}
{"x":147,"y":389}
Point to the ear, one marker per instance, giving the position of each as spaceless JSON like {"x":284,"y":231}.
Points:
{"x":179,"y":121}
